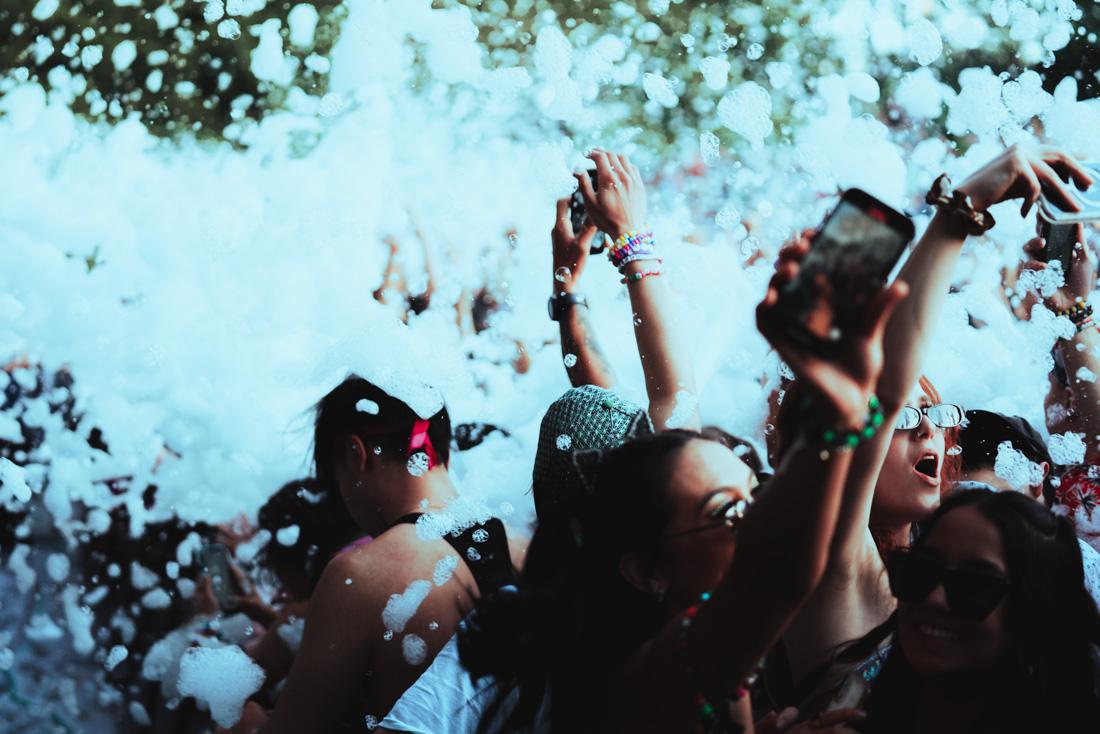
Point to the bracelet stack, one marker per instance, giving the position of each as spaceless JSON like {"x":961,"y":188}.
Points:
{"x":837,"y":440}
{"x":944,"y":197}
{"x":631,"y":247}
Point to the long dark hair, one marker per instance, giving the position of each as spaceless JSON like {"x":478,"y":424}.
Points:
{"x":575,"y":620}
{"x":1047,"y":678}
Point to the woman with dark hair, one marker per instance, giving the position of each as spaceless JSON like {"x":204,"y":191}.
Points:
{"x":994,"y":630}
{"x":658,"y":624}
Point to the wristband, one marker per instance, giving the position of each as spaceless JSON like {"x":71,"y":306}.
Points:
{"x":557,"y":305}
{"x":636,"y":277}
{"x":944,"y":197}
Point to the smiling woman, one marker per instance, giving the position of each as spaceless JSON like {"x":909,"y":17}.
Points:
{"x":974,"y":647}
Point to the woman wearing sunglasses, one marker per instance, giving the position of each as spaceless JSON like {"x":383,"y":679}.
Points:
{"x":897,"y":478}
{"x":994,"y":630}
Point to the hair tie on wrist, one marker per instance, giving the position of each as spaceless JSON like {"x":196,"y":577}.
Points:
{"x":945,"y":198}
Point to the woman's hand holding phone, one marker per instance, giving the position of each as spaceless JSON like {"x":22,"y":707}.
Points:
{"x":1081,"y":278}
{"x":845,"y":380}
{"x":1025,"y":172}
{"x":619,"y":204}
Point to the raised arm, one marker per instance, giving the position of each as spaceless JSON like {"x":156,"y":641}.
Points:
{"x":619,"y":208}
{"x":584,"y":361}
{"x":783,"y":541}
{"x":1017,"y":173}
{"x":1081,"y":354}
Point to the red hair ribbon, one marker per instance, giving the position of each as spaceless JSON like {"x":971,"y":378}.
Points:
{"x":419,"y":440}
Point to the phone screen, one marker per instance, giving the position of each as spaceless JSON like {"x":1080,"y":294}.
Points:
{"x":577,"y":214}
{"x":849,"y":261}
{"x":215,"y":561}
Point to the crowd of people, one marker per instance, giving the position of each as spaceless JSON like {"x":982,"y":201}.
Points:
{"x":893,"y":562}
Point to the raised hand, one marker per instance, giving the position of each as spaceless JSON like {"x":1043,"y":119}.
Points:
{"x":570,"y":248}
{"x":1025,"y":172}
{"x":845,"y":382}
{"x":619,"y":204}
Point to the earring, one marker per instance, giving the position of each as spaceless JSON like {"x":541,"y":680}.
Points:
{"x":660,"y":594}
{"x":358,"y":483}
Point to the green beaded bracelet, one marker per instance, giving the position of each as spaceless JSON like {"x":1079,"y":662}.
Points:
{"x":848,"y":440}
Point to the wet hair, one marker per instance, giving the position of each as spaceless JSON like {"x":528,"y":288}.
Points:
{"x":324,"y":527}
{"x":985,"y":431}
{"x":388,"y":430}
{"x":575,"y":620}
{"x":1047,"y":679}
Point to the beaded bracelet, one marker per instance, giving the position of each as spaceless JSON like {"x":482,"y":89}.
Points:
{"x":716,"y":720}
{"x":637,"y":257}
{"x":631,"y":244}
{"x":848,"y":440}
{"x":1077,"y":313}
{"x":635,"y":277}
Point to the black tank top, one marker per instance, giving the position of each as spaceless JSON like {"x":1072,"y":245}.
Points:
{"x":483,"y":548}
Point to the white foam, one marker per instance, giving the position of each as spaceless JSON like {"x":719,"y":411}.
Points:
{"x":401,"y":607}
{"x":220,"y":679}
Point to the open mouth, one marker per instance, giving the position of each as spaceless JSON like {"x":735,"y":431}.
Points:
{"x":928,"y":467}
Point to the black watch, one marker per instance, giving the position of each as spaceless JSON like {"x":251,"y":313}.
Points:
{"x":558,"y":305}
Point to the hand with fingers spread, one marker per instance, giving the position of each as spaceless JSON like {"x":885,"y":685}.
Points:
{"x":1026,"y":173}
{"x":570,"y":248}
{"x":845,"y":382}
{"x":618,"y":205}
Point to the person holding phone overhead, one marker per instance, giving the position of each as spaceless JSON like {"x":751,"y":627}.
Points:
{"x":897,"y":477}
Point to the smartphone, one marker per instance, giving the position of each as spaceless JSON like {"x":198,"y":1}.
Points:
{"x":215,"y":563}
{"x":577,"y":214}
{"x":850,"y":259}
{"x":1058,"y":228}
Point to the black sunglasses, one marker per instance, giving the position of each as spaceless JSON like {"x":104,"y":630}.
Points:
{"x":971,"y":594}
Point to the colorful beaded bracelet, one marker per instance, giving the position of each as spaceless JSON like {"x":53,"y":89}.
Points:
{"x":848,"y":440}
{"x":715,"y":720}
{"x":631,"y":244}
{"x":1076,"y":313}
{"x":635,"y":277}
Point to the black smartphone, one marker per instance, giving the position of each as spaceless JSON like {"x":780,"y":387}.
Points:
{"x":850,"y":258}
{"x":1058,"y":228}
{"x":215,"y":563}
{"x":577,"y":214}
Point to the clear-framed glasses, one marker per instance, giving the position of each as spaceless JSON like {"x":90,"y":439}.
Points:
{"x":944,"y":415}
{"x":728,"y":515}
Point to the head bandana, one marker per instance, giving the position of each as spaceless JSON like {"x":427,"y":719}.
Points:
{"x":419,"y":440}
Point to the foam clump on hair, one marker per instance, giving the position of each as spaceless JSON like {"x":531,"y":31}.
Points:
{"x":1067,"y":448}
{"x":220,"y":678}
{"x":1015,"y":468}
